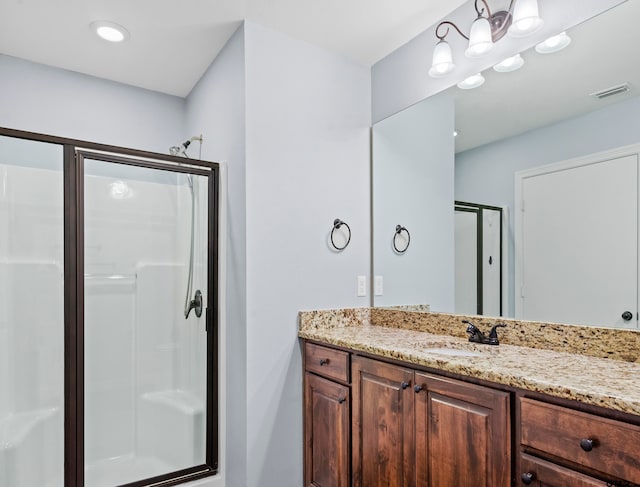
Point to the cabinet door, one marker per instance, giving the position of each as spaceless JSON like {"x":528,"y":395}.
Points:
{"x":462,"y":434}
{"x":539,"y":473}
{"x":326,"y":433}
{"x":383,"y":425}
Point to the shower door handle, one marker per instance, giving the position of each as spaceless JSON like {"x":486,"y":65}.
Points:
{"x":195,"y":304}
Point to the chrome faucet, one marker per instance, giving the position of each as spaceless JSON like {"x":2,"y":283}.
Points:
{"x":476,"y":335}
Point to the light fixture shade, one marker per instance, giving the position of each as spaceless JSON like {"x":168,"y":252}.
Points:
{"x":554,"y":44}
{"x":472,"y":82}
{"x":480,"y":40}
{"x":442,"y":63}
{"x":526,"y":19}
{"x":510,"y":64}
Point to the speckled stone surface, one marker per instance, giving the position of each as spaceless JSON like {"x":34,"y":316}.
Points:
{"x":585,"y":340}
{"x":562,"y":371}
{"x":333,"y":318}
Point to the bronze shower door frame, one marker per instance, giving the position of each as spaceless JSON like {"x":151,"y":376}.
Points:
{"x":75,"y":152}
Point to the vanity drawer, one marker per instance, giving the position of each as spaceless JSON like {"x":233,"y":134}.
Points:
{"x":565,"y":433}
{"x":327,"y":362}
{"x":537,"y":472}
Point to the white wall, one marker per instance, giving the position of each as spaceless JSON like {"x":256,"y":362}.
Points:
{"x":53,"y":101}
{"x":413,"y":162}
{"x":303,"y":161}
{"x":486,"y":174}
{"x":308,"y":118}
{"x":216,"y":109}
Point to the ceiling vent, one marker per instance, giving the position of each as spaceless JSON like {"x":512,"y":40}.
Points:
{"x":615,"y":90}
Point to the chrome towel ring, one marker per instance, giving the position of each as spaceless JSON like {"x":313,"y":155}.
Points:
{"x":399,"y":230}
{"x":337,"y":223}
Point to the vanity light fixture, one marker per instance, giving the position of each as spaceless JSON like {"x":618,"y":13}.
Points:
{"x":510,"y":64}
{"x":109,"y":31}
{"x":472,"y":82}
{"x":554,"y":44}
{"x":521,"y":19}
{"x":526,"y":19}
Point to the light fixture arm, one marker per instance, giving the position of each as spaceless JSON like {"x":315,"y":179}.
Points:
{"x":443,"y":36}
{"x":486,"y":7}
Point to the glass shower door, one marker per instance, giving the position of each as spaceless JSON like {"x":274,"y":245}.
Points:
{"x":146,"y":278}
{"x":31,"y":313}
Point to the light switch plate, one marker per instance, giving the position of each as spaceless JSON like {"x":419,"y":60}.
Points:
{"x":362,"y":286}
{"x":378,"y":286}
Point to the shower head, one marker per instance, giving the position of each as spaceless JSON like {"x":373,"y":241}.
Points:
{"x":182,"y":149}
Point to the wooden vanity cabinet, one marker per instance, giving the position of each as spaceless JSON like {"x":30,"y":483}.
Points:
{"x":559,"y":442}
{"x":412,"y":428}
{"x":327,"y":417}
{"x":383,"y":424}
{"x":540,"y":473}
{"x":463,"y":434}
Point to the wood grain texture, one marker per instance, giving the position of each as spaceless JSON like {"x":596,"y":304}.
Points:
{"x":546,"y":474}
{"x":462,"y":434}
{"x":557,"y":431}
{"x":327,"y":421}
{"x":383,"y":425}
{"x":327,"y":362}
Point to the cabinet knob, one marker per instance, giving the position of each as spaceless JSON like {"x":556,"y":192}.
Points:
{"x":404,"y":385}
{"x":627,"y":316}
{"x":527,"y":478}
{"x":324,"y":361}
{"x":587,"y":444}
{"x":417,"y":388}
{"x":342,"y":400}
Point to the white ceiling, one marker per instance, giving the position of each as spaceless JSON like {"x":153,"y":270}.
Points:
{"x":554,"y":87}
{"x":173,"y":41}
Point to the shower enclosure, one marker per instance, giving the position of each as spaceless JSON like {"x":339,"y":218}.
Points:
{"x":103,"y":381}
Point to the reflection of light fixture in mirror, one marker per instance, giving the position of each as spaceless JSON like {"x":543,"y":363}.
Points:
{"x":510,"y":64}
{"x":472,"y":82}
{"x":119,"y":190}
{"x":109,"y":31}
{"x":455,"y":133}
{"x":519,"y":20}
{"x":526,"y":19}
{"x":554,"y":44}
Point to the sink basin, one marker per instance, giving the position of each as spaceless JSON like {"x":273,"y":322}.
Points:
{"x":452,"y":352}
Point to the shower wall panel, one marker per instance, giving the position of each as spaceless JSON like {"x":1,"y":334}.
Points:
{"x":31,"y":314}
{"x":145,"y":392}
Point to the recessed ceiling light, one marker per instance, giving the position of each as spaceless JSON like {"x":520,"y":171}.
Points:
{"x":110,"y":31}
{"x":554,"y":44}
{"x":510,"y":64}
{"x":471,"y":82}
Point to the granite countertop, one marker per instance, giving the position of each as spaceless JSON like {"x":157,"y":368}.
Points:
{"x":579,"y":373}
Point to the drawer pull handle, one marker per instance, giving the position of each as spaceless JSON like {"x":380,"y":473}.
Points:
{"x":404,"y":385}
{"x":587,"y":444}
{"x":324,"y":361}
{"x":342,"y":400}
{"x":527,"y":478}
{"x":417,"y":388}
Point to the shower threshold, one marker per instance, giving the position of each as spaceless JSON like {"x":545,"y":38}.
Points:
{"x":124,"y":469}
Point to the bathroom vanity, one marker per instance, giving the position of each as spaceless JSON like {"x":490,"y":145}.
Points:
{"x":404,"y":399}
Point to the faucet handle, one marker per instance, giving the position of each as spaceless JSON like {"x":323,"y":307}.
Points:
{"x":471,"y":328}
{"x":475,"y":335}
{"x":493,"y":334}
